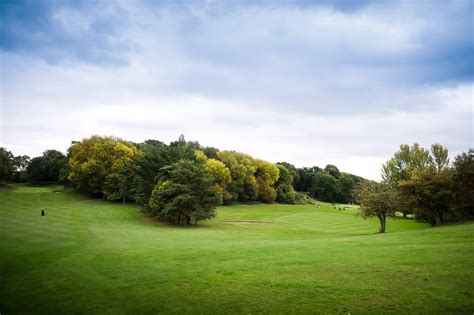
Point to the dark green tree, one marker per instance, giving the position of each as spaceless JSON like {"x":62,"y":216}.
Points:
{"x":6,"y":165}
{"x":293,"y":171}
{"x":431,"y":195}
{"x":185,"y":192}
{"x":154,"y":156}
{"x":284,"y":186}
{"x":346,"y":184}
{"x":464,"y":184}
{"x":305,"y":178}
{"x":46,"y":168}
{"x":118,"y":184}
{"x":20,"y":163}
{"x":210,"y":152}
{"x":325,"y":187}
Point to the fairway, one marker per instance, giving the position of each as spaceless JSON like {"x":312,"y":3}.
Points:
{"x":91,"y":256}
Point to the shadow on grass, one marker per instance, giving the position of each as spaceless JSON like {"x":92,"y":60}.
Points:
{"x":156,"y":221}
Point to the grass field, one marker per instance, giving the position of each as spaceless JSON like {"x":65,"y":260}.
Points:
{"x":91,"y":256}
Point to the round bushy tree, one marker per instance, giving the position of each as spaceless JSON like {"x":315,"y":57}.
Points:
{"x":95,"y":158}
{"x":186,"y":192}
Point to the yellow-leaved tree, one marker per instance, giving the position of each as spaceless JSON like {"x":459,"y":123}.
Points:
{"x":219,"y":172}
{"x":96,"y":163}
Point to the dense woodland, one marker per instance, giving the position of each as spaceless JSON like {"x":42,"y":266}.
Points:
{"x":183,"y":182}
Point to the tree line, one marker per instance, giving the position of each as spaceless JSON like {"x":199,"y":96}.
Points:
{"x":180,"y":182}
{"x":423,"y":184}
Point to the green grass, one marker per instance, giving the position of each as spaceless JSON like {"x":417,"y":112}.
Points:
{"x":90,"y":256}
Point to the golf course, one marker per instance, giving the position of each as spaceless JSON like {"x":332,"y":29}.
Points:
{"x":96,"y":257}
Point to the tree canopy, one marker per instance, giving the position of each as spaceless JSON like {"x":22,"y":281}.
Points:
{"x":46,"y":168}
{"x":95,"y":158}
{"x":377,"y":200}
{"x":186,"y":191}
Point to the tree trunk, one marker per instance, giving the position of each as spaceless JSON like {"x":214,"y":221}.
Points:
{"x":188,"y":220}
{"x":383,"y":220}
{"x":437,"y":218}
{"x":179,"y":218}
{"x":124,"y":189}
{"x":405,"y":215}
{"x":195,"y":221}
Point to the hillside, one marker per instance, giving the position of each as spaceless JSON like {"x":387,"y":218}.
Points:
{"x":98,"y":257}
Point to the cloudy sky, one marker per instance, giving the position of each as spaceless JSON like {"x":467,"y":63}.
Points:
{"x":311,"y":83}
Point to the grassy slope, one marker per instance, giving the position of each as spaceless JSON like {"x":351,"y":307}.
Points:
{"x":98,"y":257}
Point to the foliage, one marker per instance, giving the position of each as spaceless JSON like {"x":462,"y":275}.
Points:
{"x":118,"y":185}
{"x":186,"y":192}
{"x":219,"y":172}
{"x":266,"y":176}
{"x":328,"y":185}
{"x":305,"y":179}
{"x":377,"y":200}
{"x":428,"y":187}
{"x":431,"y":194}
{"x":46,"y":168}
{"x":325,"y":187}
{"x":440,"y":157}
{"x":285,"y":191}
{"x":293,"y":171}
{"x":346,"y":184}
{"x":332,"y":170}
{"x":20,"y":164}
{"x":408,"y":160}
{"x":6,"y":165}
{"x":154,"y":156}
{"x":242,"y":167}
{"x":95,"y":158}
{"x":464,"y":184}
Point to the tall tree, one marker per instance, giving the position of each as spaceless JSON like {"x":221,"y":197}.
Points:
{"x":284,"y":186}
{"x":6,"y":165}
{"x":305,"y":179}
{"x":410,"y":160}
{"x":243,"y":186}
{"x":440,"y":157}
{"x":94,"y":158}
{"x":46,"y":168}
{"x":325,"y":187}
{"x":219,"y":172}
{"x":431,"y":194}
{"x":266,"y":175}
{"x":464,"y":184}
{"x":293,"y":171}
{"x":118,"y":185}
{"x":20,"y":164}
{"x":405,"y":162}
{"x":346,"y":184}
{"x":154,"y":155}
{"x":185,"y":192}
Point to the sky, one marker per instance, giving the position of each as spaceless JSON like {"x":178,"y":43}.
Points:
{"x":307,"y":82}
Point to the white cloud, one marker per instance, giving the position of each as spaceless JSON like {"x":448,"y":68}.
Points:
{"x":310,"y":87}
